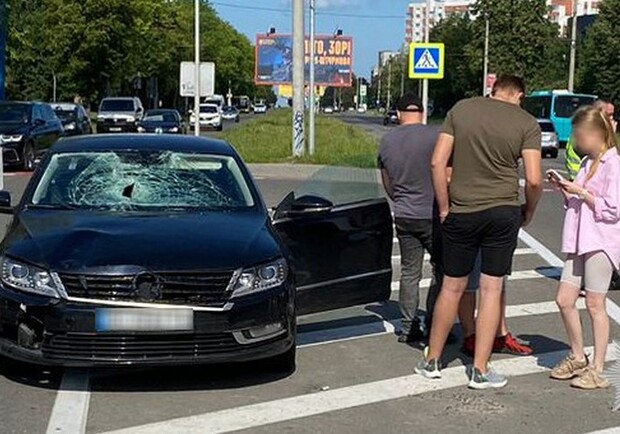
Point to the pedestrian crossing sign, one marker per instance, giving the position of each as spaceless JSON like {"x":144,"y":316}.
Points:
{"x":426,"y":60}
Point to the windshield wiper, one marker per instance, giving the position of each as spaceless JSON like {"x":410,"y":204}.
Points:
{"x":58,"y":206}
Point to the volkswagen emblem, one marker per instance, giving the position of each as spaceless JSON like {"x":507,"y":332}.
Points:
{"x":147,"y":286}
{"x":159,"y":130}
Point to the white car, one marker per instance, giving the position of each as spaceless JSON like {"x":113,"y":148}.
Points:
{"x":210,"y":117}
{"x":260,"y":108}
{"x":328,"y":110}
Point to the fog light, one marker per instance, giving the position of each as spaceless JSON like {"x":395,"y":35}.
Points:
{"x":260,"y":333}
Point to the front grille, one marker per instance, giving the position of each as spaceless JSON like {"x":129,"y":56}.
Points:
{"x":115,"y":122}
{"x":135,"y":348}
{"x":194,"y":288}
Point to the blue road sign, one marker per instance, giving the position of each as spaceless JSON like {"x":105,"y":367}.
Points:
{"x":426,"y":60}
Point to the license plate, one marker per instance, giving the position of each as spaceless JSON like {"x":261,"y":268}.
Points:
{"x":116,"y":129}
{"x":144,"y":320}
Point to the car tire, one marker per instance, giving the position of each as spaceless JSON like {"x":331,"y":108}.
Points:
{"x":28,"y":158}
{"x":220,"y":127}
{"x":284,"y":363}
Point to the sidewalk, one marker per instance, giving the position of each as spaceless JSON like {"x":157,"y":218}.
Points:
{"x":314,"y":172}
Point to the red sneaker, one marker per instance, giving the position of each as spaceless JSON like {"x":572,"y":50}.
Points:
{"x":511,"y":345}
{"x":469,"y":345}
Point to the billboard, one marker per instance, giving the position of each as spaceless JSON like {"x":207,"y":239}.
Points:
{"x":333,"y":60}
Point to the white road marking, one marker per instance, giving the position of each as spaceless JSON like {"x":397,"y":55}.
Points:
{"x":519,"y":252}
{"x":70,"y":410}
{"x":281,"y":410}
{"x":552,"y":273}
{"x":613,"y":310}
{"x":379,"y":328}
{"x":615,"y":430}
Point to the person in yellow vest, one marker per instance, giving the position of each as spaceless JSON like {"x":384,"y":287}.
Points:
{"x":573,"y":157}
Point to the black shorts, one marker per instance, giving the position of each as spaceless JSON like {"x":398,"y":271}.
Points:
{"x":493,"y":232}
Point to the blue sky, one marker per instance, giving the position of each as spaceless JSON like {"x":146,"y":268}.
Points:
{"x":382,"y":26}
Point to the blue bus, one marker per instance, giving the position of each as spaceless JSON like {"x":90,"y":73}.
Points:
{"x":558,"y":106}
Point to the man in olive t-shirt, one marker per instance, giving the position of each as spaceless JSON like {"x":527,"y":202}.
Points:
{"x":485,"y":138}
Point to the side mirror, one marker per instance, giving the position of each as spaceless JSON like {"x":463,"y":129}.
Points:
{"x":5,"y":202}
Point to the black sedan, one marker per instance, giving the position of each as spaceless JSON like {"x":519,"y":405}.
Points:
{"x":74,"y":118}
{"x":27,"y":130}
{"x":162,"y":121}
{"x":154,"y":250}
{"x":391,"y":117}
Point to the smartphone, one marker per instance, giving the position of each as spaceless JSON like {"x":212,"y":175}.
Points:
{"x":554,"y":175}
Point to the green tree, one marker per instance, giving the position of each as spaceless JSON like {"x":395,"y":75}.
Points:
{"x":599,"y":69}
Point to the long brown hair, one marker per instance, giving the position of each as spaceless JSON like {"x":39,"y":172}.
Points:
{"x":595,"y":118}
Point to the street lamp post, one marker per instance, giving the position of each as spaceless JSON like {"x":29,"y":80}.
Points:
{"x":573,"y":49}
{"x":298,"y":78}
{"x":485,"y":72}
{"x":196,"y":67}
{"x":311,"y":135}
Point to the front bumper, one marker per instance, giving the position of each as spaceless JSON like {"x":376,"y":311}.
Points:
{"x":63,"y":333}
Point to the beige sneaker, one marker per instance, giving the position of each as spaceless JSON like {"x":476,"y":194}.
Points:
{"x":590,"y":379}
{"x":569,"y":368}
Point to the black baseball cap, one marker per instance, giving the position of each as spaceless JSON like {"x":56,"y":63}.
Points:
{"x":410,"y":102}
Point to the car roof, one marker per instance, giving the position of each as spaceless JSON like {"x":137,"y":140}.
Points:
{"x":154,"y":142}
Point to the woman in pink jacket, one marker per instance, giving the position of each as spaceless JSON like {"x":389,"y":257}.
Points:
{"x":591,"y":240}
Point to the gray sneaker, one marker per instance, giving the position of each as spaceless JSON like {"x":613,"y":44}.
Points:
{"x":490,"y":380}
{"x":429,"y":369}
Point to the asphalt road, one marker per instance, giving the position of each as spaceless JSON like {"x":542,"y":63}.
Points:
{"x":352,"y":375}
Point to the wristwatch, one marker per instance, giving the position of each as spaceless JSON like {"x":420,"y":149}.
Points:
{"x":583,"y":194}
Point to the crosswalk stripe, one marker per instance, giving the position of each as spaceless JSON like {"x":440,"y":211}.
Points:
{"x":70,"y":410}
{"x":552,"y":273}
{"x":312,"y":404}
{"x":519,"y":252}
{"x":378,"y":328}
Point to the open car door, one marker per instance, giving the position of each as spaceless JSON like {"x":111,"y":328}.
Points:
{"x":342,"y":254}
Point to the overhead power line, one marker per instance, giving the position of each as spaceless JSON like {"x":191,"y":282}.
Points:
{"x":288,"y":11}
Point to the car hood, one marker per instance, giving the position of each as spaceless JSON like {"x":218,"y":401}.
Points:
{"x":13,"y":128}
{"x":156,"y":124}
{"x":76,"y":241}
{"x":112,"y":115}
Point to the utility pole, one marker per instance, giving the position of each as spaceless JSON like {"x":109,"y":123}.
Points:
{"x":573,"y":49}
{"x":427,"y":23}
{"x":196,"y":67}
{"x":379,"y":89}
{"x":298,"y":78}
{"x":311,"y":143}
{"x":389,"y":89}
{"x":485,"y":72}
{"x":403,"y":66}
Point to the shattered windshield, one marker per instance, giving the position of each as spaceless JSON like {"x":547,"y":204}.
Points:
{"x":142,"y":181}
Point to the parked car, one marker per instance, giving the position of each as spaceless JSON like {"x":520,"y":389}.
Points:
{"x":230,"y":113}
{"x":162,"y":121}
{"x":328,"y":110}
{"x":210,"y":117}
{"x":550,"y":140}
{"x":74,"y":118}
{"x":260,"y":108}
{"x":391,"y":117}
{"x":80,"y":286}
{"x":119,"y":115}
{"x":27,"y":130}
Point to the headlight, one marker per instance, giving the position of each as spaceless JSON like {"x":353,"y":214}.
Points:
{"x":174,"y":130}
{"x":70,"y":126}
{"x":141,"y":129}
{"x":31,"y":279}
{"x":8,"y":138}
{"x":261,"y":278}
{"x":130,"y":119}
